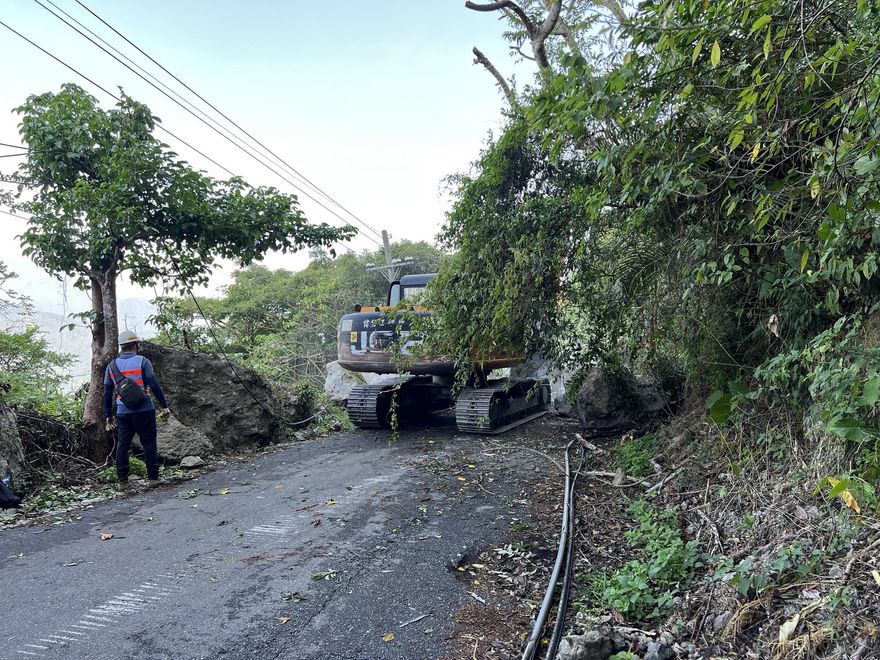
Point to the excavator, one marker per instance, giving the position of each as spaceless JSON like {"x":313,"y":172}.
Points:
{"x":381,"y":340}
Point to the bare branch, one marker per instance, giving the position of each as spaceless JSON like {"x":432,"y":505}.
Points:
{"x":482,"y":59}
{"x":505,"y":4}
{"x":519,"y":50}
{"x":540,"y":36}
{"x":615,"y":8}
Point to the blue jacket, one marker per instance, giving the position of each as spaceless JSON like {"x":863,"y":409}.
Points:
{"x":139,"y":369}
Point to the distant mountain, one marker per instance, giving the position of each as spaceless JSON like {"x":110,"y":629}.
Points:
{"x":133,"y":315}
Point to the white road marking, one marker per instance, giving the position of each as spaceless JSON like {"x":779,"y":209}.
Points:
{"x":112,"y":610}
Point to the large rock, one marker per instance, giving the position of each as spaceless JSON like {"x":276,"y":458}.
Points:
{"x":614,"y":400}
{"x":535,"y":367}
{"x":11,"y":450}
{"x":175,"y":440}
{"x":338,"y":382}
{"x":232,"y":406}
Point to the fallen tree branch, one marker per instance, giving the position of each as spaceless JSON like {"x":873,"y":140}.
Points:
{"x":659,"y":485}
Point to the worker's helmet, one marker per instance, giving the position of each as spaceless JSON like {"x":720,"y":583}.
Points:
{"x":128,"y":337}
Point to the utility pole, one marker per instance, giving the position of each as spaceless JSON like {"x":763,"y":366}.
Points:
{"x":391,"y":268}
{"x":389,"y":263}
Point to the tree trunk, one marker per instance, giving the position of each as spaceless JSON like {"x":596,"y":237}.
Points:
{"x":105,"y":329}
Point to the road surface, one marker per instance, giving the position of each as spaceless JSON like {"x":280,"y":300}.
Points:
{"x":329,"y":548}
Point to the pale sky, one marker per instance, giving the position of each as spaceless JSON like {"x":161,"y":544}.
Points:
{"x":375,"y":102}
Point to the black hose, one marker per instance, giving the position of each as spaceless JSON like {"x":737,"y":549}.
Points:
{"x":556,"y":637}
{"x":532,"y":641}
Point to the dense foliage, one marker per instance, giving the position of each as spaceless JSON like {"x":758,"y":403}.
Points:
{"x":32,"y":376}
{"x":707,"y":202}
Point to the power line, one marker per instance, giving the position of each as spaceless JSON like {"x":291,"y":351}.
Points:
{"x":13,"y":146}
{"x":224,"y":136}
{"x":222,"y":114}
{"x":112,"y":95}
{"x":20,"y":217}
{"x":143,"y":70}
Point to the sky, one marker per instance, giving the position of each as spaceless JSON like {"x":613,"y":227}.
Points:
{"x":374,"y":102}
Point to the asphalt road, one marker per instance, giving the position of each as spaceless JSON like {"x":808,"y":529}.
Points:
{"x":368,"y":533}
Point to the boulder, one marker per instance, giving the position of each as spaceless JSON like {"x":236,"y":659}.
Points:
{"x":11,"y":449}
{"x":338,"y":382}
{"x":597,"y":644}
{"x":535,"y":367}
{"x":191,"y":462}
{"x":176,"y":440}
{"x":233,"y":406}
{"x":612,"y":400}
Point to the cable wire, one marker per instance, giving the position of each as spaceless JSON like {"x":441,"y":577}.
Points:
{"x":20,"y":217}
{"x":222,"y":114}
{"x":145,"y":72}
{"x":221,"y":134}
{"x":117,"y":98}
{"x":112,"y":95}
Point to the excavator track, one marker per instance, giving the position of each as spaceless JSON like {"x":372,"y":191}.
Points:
{"x":369,"y":406}
{"x":501,"y":406}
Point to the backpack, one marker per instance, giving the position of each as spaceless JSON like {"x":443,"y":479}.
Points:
{"x":8,"y":499}
{"x":131,"y":394}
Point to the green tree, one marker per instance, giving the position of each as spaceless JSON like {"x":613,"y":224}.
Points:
{"x":107,"y":198}
{"x":33,"y":375}
{"x":13,"y":305}
{"x":284,"y":323}
{"x":725,"y":216}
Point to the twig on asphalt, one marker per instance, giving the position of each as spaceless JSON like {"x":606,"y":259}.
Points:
{"x":418,"y":618}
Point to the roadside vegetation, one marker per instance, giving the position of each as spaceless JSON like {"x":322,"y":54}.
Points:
{"x":690,"y":190}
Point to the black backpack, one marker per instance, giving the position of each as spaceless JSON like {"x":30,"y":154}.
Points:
{"x":131,"y":394}
{"x":8,"y":499}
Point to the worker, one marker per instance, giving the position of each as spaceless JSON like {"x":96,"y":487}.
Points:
{"x":132,"y":378}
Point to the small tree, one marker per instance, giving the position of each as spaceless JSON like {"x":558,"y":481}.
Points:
{"x":107,"y":197}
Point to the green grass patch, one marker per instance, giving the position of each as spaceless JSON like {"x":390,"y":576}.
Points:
{"x":634,"y":456}
{"x":644,"y":588}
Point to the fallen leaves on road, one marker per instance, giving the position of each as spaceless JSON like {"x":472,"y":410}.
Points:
{"x":316,"y":522}
{"x":106,"y":537}
{"x":388,"y":637}
{"x":331,"y":502}
{"x":462,"y":479}
{"x":282,"y":619}
{"x":224,"y":491}
{"x":188,"y":494}
{"x":292,"y":597}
